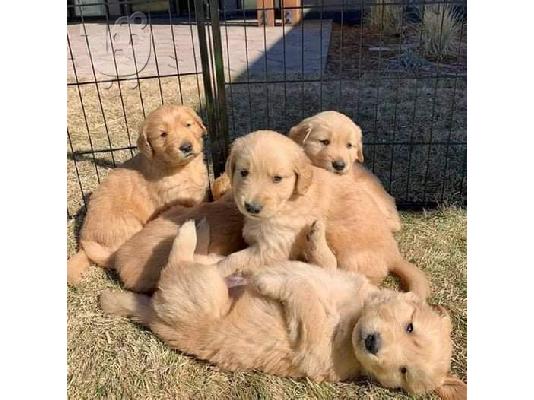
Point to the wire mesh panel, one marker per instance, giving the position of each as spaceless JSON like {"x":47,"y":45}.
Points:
{"x":397,"y":68}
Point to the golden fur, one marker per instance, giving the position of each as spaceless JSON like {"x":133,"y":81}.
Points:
{"x":168,"y":170}
{"x":271,"y":171}
{"x":139,"y":261}
{"x":295,"y":320}
{"x":328,"y":137}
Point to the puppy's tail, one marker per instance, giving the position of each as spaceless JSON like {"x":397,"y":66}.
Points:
{"x":412,"y":278}
{"x":76,"y":266}
{"x":137,"y":307}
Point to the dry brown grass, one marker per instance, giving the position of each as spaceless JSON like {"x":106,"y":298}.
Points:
{"x":385,"y":17}
{"x":114,"y":358}
{"x":441,"y":30}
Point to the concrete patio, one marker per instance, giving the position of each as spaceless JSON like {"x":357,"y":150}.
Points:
{"x":154,"y":52}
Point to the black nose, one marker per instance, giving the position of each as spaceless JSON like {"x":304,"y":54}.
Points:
{"x":253,"y":208}
{"x":338,"y":165}
{"x":186,"y":147}
{"x":372,"y":343}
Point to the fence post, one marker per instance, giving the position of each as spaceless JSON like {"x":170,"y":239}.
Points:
{"x":214,"y":80}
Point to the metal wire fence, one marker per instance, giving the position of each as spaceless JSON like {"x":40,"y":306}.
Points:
{"x":397,"y":68}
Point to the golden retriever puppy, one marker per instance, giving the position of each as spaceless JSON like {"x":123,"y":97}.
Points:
{"x":295,"y":320}
{"x":334,"y":142}
{"x":281,"y":194}
{"x":140,"y":260}
{"x":168,"y":170}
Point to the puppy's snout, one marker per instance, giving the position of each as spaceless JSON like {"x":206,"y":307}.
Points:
{"x":253,"y":208}
{"x":186,"y":147}
{"x":372,"y":343}
{"x":338,"y":165}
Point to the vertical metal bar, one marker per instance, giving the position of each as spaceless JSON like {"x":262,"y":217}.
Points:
{"x":340,"y":73}
{"x":302,"y":63}
{"x":392,"y":149}
{"x":413,"y":124}
{"x":229,"y":71}
{"x":118,"y":80}
{"x":284,"y":58}
{"x":136,"y":69}
{"x":220,"y":98}
{"x":176,"y":55}
{"x":193,"y":47}
{"x":83,"y":109}
{"x":377,"y":82}
{"x":215,"y":91}
{"x":266,"y":85}
{"x":76,"y":168}
{"x":321,"y":57}
{"x":96,"y":85}
{"x":248,"y":71}
{"x":155,"y":54}
{"x":451,"y":119}
{"x":434,"y":97}
{"x":360,"y":62}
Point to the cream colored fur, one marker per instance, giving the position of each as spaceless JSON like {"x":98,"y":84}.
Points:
{"x":331,"y":136}
{"x":270,"y":170}
{"x":295,"y":320}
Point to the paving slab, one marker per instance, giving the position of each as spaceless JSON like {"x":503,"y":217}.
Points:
{"x":127,"y":51}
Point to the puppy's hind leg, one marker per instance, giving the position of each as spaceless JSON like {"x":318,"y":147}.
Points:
{"x":138,"y":307}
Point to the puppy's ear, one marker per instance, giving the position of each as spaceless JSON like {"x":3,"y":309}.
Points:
{"x":359,"y":153}
{"x":444,"y":314}
{"x":452,"y":389}
{"x":197,"y":119}
{"x":229,"y":167}
{"x":303,"y":172}
{"x":185,"y":243}
{"x":299,"y":133}
{"x":143,"y":144}
{"x":359,"y":144}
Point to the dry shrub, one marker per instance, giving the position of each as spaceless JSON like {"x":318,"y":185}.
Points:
{"x":386,"y":17}
{"x":441,"y":28}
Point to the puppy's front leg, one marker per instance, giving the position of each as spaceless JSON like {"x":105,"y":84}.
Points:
{"x":243,"y":261}
{"x":311,"y":318}
{"x":316,"y":250}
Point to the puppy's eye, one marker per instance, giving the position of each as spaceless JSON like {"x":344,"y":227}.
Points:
{"x":277,"y":179}
{"x":325,"y":142}
{"x":409,"y":328}
{"x":244,"y":173}
{"x":349,"y":145}
{"x":403,"y":370}
{"x":189,"y":124}
{"x":163,"y":134}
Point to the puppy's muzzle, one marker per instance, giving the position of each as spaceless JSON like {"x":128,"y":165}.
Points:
{"x":338,"y":165}
{"x":253,"y":208}
{"x":186,"y":148}
{"x":372,"y":343}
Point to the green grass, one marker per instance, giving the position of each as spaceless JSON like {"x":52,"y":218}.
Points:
{"x":114,"y":358}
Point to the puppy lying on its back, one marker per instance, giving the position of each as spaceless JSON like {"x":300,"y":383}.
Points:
{"x":333,"y":142}
{"x":296,"y":320}
{"x":281,"y":194}
{"x":169,"y":170}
